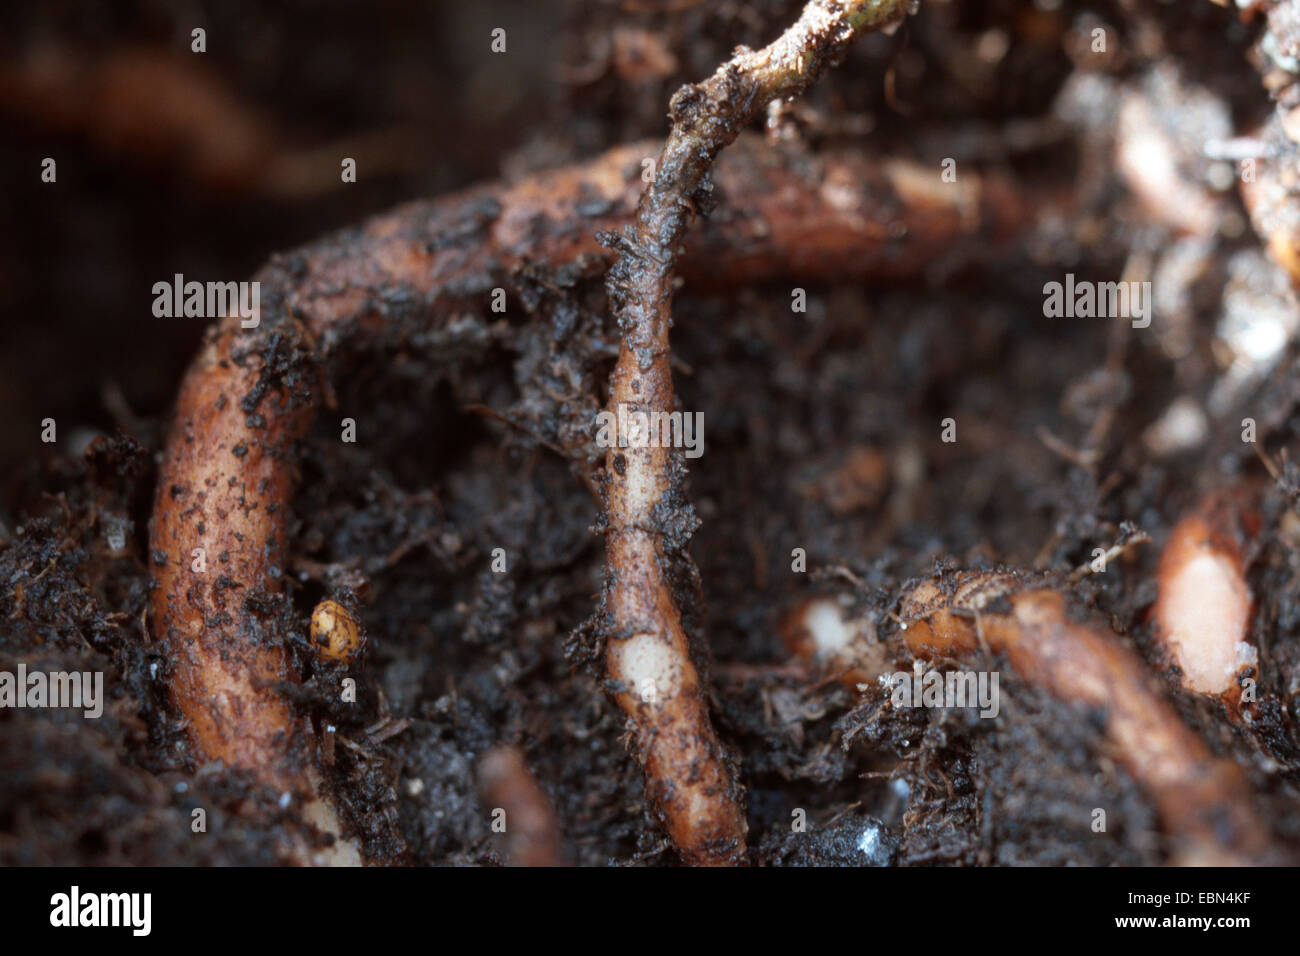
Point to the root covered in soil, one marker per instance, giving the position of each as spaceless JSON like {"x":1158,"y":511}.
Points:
{"x":840,"y":310}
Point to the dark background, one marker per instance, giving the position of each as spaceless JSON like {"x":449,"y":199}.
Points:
{"x":138,"y":123}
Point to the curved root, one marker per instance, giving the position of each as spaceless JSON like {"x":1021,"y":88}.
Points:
{"x":227,"y":473}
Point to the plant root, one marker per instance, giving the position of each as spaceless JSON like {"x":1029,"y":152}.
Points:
{"x":1204,"y":802}
{"x":532,"y":835}
{"x":228,"y":470}
{"x":1202,"y":616}
{"x":691,"y":787}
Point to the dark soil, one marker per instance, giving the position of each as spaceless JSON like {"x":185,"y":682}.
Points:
{"x":404,"y":521}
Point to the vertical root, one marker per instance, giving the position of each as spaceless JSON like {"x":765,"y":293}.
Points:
{"x":648,"y":655}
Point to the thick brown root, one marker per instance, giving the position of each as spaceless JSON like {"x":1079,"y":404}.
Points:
{"x":227,"y":473}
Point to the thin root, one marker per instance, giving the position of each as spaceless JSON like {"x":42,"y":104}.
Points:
{"x":1204,"y":801}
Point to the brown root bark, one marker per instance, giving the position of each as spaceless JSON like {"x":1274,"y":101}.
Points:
{"x":532,"y":834}
{"x":648,"y":524}
{"x":1204,"y":802}
{"x":227,"y":473}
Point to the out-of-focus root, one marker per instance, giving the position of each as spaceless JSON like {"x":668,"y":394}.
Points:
{"x":532,"y":834}
{"x":1202,"y":616}
{"x":1204,"y":802}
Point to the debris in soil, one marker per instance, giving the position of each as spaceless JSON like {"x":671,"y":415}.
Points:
{"x":838,"y":305}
